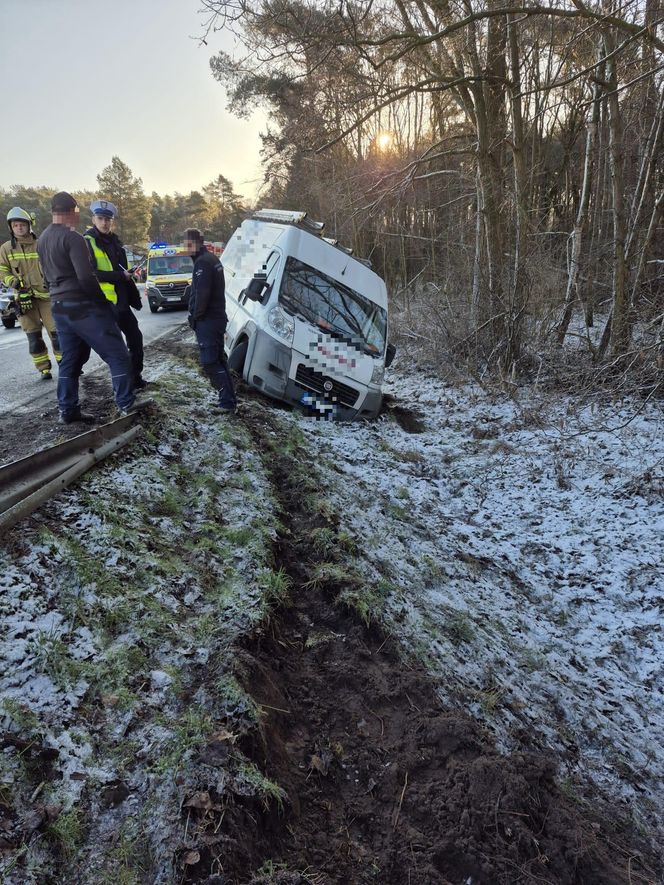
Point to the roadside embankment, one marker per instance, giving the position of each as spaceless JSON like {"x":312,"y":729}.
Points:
{"x":274,"y":650}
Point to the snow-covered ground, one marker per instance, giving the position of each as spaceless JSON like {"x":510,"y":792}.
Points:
{"x":517,"y":545}
{"x":514,"y":545}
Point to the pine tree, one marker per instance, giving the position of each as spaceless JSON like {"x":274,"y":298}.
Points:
{"x":118,"y":184}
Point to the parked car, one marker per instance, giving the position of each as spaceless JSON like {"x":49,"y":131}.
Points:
{"x":8,"y":312}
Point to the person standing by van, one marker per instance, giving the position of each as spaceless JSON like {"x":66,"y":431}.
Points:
{"x":110,"y":260}
{"x":82,"y":314}
{"x":20,"y":270}
{"x":207,"y":317}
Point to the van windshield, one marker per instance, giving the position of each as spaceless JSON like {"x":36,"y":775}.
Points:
{"x":170,"y":264}
{"x":331,"y":306}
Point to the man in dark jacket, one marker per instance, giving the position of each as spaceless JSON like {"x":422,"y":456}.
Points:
{"x":117,"y":283}
{"x":83,"y":317}
{"x":207,"y":316}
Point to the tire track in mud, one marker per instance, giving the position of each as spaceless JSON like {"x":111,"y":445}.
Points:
{"x":383,"y":784}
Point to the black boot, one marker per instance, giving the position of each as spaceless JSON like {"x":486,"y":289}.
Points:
{"x":77,"y":418}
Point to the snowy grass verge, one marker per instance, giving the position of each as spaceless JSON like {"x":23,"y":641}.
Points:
{"x":121,"y":602}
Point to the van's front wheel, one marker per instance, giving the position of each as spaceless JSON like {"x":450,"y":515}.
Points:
{"x":237,"y":357}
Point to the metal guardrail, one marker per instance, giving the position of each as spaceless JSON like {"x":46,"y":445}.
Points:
{"x":29,"y":482}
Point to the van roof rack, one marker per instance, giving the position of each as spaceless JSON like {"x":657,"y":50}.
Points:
{"x":286,"y":216}
{"x":336,"y":243}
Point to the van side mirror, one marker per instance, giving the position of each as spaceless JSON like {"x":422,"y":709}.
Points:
{"x":389,"y":355}
{"x":254,"y":290}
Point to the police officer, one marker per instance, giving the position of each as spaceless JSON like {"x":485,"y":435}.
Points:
{"x":207,"y":316}
{"x":20,"y":270}
{"x":116,"y":281}
{"x":83,"y":316}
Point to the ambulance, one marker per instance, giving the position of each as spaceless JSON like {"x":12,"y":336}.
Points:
{"x":168,"y":277}
{"x":307,"y":321}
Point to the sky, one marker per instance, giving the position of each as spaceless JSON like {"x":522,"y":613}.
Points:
{"x":121,"y":78}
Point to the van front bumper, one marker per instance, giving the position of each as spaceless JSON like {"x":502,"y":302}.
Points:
{"x":164,"y":299}
{"x":269,"y":368}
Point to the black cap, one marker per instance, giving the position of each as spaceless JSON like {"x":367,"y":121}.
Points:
{"x":63,"y":202}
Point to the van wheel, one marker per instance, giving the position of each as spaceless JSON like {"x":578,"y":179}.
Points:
{"x":9,"y":322}
{"x":237,"y":357}
{"x":153,"y":307}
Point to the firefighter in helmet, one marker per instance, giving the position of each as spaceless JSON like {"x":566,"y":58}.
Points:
{"x":21,"y":271}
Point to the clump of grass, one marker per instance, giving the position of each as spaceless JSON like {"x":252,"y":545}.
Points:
{"x":318,"y":506}
{"x":489,"y":698}
{"x":458,"y":628}
{"x":128,"y":863}
{"x":22,"y":716}
{"x":411,"y":456}
{"x":266,"y":790}
{"x":396,"y":511}
{"x":169,"y":504}
{"x":240,"y":536}
{"x":67,"y":833}
{"x":276,"y":586}
{"x":533,"y":659}
{"x":324,"y":541}
{"x":347,"y":543}
{"x":366,"y":602}
{"x":235,"y":701}
{"x":331,"y":576}
{"x":431,"y":566}
{"x":189,"y":732}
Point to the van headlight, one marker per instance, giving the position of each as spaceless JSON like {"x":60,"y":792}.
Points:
{"x":378,"y":374}
{"x":281,"y":324}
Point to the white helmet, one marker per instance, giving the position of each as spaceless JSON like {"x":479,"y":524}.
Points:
{"x":18,"y":214}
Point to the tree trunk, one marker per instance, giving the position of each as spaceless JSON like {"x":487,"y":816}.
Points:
{"x":620,"y":320}
{"x":518,"y":293}
{"x":581,"y":224}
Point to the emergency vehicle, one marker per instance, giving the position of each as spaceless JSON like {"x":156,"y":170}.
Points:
{"x":307,"y":321}
{"x":168,"y":276}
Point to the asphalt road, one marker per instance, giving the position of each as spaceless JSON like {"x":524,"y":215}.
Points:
{"x":23,"y":390}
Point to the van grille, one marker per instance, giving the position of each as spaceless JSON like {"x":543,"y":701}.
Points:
{"x":310,"y":379}
{"x":175,"y":289}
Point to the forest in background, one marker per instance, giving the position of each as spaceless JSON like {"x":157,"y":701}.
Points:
{"x":501,"y":164}
{"x":216,"y":209}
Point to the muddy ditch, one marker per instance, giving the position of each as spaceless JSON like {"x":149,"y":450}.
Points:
{"x":382,"y":783}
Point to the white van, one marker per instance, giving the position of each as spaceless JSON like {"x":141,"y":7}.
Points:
{"x":307,"y":322}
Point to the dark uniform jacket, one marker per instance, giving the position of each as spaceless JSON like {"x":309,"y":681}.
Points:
{"x":208,"y":288}
{"x":128,"y":294}
{"x":65,"y":261}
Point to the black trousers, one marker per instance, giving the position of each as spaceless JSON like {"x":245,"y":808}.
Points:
{"x":129,"y":327}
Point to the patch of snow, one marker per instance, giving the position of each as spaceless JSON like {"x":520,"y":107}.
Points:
{"x":518,"y":544}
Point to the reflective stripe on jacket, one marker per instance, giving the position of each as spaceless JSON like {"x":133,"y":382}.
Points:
{"x":20,"y":267}
{"x":103,"y":262}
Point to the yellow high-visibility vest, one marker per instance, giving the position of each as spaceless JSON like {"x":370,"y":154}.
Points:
{"x":103,"y":263}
